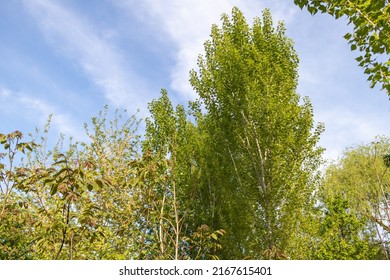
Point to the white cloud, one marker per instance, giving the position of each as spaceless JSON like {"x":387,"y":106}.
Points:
{"x":35,"y":108}
{"x":346,"y":128}
{"x":325,"y":72}
{"x":184,"y":26}
{"x":188,"y":24}
{"x":59,"y":120}
{"x":91,"y":49}
{"x":4,"y":92}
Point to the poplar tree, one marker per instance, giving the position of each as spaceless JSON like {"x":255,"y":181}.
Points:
{"x":260,"y":150}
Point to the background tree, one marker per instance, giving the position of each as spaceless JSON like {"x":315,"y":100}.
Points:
{"x":362,"y":178}
{"x":171,"y":138}
{"x":111,"y":157}
{"x":260,"y":153}
{"x":371,"y":32}
{"x":15,"y":216}
{"x":104,"y":199}
{"x":343,"y":234}
{"x":80,"y":198}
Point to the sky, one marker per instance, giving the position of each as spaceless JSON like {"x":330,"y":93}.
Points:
{"x":70,"y":58}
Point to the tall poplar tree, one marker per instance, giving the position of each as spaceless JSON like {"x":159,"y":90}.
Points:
{"x":259,"y":152}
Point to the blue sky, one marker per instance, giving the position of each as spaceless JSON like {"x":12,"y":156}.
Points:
{"x":70,"y":58}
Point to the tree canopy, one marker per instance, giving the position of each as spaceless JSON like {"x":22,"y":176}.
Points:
{"x":362,"y":178}
{"x":260,"y":140}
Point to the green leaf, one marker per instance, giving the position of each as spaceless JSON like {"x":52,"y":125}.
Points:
{"x":3,"y":139}
{"x":301,"y":3}
{"x":65,"y":169}
{"x":53,"y":189}
{"x":89,"y":187}
{"x":81,"y":173}
{"x":322,"y":8}
{"x":359,"y":58}
{"x":28,"y":147}
{"x":48,"y":181}
{"x":60,"y":162}
{"x":99,"y":183}
{"x":370,"y":27}
{"x":312,"y":10}
{"x":348,"y":36}
{"x":214,"y":236}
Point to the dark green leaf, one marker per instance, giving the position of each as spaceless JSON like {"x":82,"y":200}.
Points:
{"x":53,"y":189}
{"x":348,"y":36}
{"x":99,"y":183}
{"x":89,"y":187}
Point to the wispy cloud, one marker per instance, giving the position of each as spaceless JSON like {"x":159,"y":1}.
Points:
{"x":188,"y":25}
{"x":92,"y":49}
{"x":38,"y":109}
{"x":347,"y":128}
{"x":342,"y":99}
{"x":184,"y":26}
{"x":4,"y":93}
{"x":179,"y":20}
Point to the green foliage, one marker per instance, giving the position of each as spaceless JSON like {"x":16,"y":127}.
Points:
{"x":362,"y":178}
{"x":14,"y":213}
{"x":203,"y":243}
{"x":172,"y":138}
{"x":371,"y":32}
{"x":102,"y":199}
{"x":386,"y":160}
{"x":233,"y":177}
{"x":69,"y":195}
{"x":343,"y":234}
{"x":259,"y":152}
{"x":14,"y":231}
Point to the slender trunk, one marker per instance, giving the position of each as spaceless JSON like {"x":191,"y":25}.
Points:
{"x":71,"y":247}
{"x":383,"y":243}
{"x":177,"y":220}
{"x":161,"y":225}
{"x":259,"y":168}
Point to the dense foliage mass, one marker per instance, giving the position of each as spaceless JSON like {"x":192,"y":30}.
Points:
{"x":233,"y":176}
